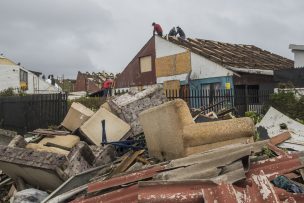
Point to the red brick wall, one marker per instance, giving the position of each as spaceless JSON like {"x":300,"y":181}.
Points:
{"x":83,"y":84}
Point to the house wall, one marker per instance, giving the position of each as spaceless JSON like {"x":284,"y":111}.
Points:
{"x":37,"y":85}
{"x":164,"y":48}
{"x":5,"y":61}
{"x":132,"y":76}
{"x":196,"y":87}
{"x":10,"y":78}
{"x":298,"y":58}
{"x":173,"y":64}
{"x":197,"y":84}
{"x":203,"y":68}
{"x":84,"y":84}
{"x":80,"y":84}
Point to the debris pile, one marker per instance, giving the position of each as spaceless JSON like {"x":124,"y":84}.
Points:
{"x":139,"y":147}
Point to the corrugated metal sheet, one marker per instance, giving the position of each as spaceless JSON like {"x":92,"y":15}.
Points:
{"x":127,"y":195}
{"x":278,"y":165}
{"x":132,"y":76}
{"x":129,"y":178}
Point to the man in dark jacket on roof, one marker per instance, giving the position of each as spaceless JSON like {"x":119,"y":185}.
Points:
{"x":180,"y":32}
{"x":172,"y":32}
{"x":157,"y":29}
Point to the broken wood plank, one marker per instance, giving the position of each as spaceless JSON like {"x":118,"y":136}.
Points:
{"x":142,"y":160}
{"x":280,"y":138}
{"x":125,"y":164}
{"x":276,"y":150}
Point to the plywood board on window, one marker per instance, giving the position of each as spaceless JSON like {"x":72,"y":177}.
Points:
{"x":173,"y":65}
{"x":145,"y":64}
{"x":172,"y":87}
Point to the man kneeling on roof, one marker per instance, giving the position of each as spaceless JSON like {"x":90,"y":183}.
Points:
{"x":158,"y":29}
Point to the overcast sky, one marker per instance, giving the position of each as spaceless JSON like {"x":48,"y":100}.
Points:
{"x":66,"y":36}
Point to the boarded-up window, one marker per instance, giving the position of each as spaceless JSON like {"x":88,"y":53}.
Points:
{"x":145,"y":64}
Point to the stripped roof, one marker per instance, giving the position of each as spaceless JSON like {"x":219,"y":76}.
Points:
{"x":234,"y":55}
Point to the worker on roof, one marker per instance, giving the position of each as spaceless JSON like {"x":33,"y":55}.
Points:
{"x":173,"y":32}
{"x":158,"y":29}
{"x":180,"y":32}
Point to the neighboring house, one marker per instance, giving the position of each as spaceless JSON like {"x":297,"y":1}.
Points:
{"x":91,"y":82}
{"x":201,"y":64}
{"x":294,"y":76}
{"x":87,"y":82}
{"x":17,"y":77}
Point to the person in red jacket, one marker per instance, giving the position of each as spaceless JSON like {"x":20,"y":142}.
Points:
{"x":107,"y":86}
{"x":158,"y":29}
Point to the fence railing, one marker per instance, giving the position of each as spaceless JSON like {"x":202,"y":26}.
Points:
{"x":29,"y":112}
{"x":215,"y":100}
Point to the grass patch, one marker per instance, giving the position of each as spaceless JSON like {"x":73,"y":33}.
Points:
{"x":92,"y":103}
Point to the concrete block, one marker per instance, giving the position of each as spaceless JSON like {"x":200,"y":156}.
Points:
{"x":39,"y":169}
{"x":171,"y":133}
{"x":67,"y":141}
{"x":77,"y":115}
{"x":115,"y":127}
{"x":129,"y":105}
{"x":81,"y":158}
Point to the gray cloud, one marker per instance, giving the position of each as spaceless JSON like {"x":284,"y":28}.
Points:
{"x":64,"y":36}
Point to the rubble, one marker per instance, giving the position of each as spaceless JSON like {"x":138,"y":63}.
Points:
{"x":17,"y":141}
{"x":67,"y":142}
{"x":129,"y":105}
{"x":140,"y":148}
{"x":6,"y":136}
{"x":271,"y":125}
{"x":36,"y":168}
{"x":76,"y":116}
{"x":114,"y":127}
{"x":29,"y":196}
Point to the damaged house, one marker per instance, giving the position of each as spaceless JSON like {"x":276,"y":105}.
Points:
{"x":91,"y":82}
{"x":197,"y":64}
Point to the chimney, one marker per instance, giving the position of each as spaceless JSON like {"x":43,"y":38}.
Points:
{"x":298,"y":51}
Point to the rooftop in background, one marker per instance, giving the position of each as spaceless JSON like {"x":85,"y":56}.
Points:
{"x":234,"y":55}
{"x":99,"y":75}
{"x":296,"y":47}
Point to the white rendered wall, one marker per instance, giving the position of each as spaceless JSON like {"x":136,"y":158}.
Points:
{"x":166,"y":48}
{"x":9,"y":77}
{"x":203,"y":68}
{"x":298,"y":58}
